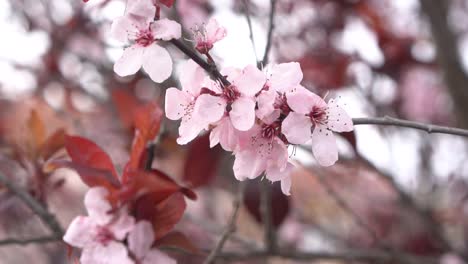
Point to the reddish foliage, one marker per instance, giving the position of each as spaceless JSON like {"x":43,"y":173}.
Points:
{"x":201,"y":162}
{"x":178,"y":240}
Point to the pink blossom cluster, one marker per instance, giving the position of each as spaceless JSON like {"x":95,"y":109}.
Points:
{"x":257,"y":116}
{"x":107,"y":237}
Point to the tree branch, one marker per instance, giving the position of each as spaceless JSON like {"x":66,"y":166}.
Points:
{"x":448,"y":56}
{"x":230,"y":228}
{"x":23,"y":242}
{"x":48,"y":218}
{"x":249,"y":23}
{"x":391,"y":121}
{"x":266,"y":212}
{"x":271,"y":27}
{"x":373,"y":256}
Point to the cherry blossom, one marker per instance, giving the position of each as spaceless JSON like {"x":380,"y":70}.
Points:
{"x":238,"y":98}
{"x":314,"y":119}
{"x":140,"y":241}
{"x":100,"y":233}
{"x":190,"y":105}
{"x":138,"y":27}
{"x":207,"y":35}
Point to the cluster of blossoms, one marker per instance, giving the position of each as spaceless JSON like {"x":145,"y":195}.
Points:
{"x":256,"y":116}
{"x":112,"y":237}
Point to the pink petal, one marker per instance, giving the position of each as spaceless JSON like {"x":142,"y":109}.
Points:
{"x":338,"y":119}
{"x":225,"y":134}
{"x":242,"y":113}
{"x":265,"y":103}
{"x":251,"y":81}
{"x":248,"y":165}
{"x":122,"y":29}
{"x":191,"y":76}
{"x":143,"y":9}
{"x":121,"y":226}
{"x":302,"y":101}
{"x":285,"y":76}
{"x":209,"y":109}
{"x":286,"y":185}
{"x":157,"y":256}
{"x":130,"y":62}
{"x":80,"y":232}
{"x":189,"y":129}
{"x":97,"y":205}
{"x":324,"y":146}
{"x":157,"y":63}
{"x":141,"y":239}
{"x":111,"y":253}
{"x":214,"y":32}
{"x":297,"y":128}
{"x":166,"y":29}
{"x":276,"y":154}
{"x":176,"y":103}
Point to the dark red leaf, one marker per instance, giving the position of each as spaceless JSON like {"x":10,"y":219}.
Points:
{"x":178,"y":240}
{"x":201,"y":162}
{"x":125,"y":103}
{"x":86,"y":154}
{"x":52,"y":144}
{"x":279,"y":202}
{"x":90,"y":176}
{"x":168,"y":213}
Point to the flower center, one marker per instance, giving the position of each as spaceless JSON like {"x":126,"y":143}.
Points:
{"x":270,"y":131}
{"x":104,"y":235}
{"x":145,"y":38}
{"x":230,"y":93}
{"x":318,"y":116}
{"x":282,"y":104}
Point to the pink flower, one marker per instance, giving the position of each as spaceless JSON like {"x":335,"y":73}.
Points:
{"x":140,"y":241}
{"x":311,"y":113}
{"x":100,"y":233}
{"x":207,"y":35}
{"x":138,"y":27}
{"x":196,"y":111}
{"x":282,"y":79}
{"x":237,"y":99}
{"x":224,"y":134}
{"x":261,"y":150}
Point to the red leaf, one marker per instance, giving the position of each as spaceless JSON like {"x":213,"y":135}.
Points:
{"x":178,"y":240}
{"x":201,"y":162}
{"x":90,"y":176}
{"x":125,"y":103}
{"x":167,"y":3}
{"x":53,"y":144}
{"x":279,"y":202}
{"x":147,"y":123}
{"x":86,"y":154}
{"x":167,"y":214}
{"x":38,"y":131}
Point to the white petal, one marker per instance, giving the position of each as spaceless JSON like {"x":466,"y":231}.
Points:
{"x":242,"y":113}
{"x":251,"y":81}
{"x":191,"y":76}
{"x":97,"y":205}
{"x":338,"y":119}
{"x":112,"y":253}
{"x":324,"y":146}
{"x":209,"y":109}
{"x":166,"y":29}
{"x":297,"y":128}
{"x":80,"y":232}
{"x":141,"y":239}
{"x":130,"y":62}
{"x":176,"y":104}
{"x":285,"y":76}
{"x":122,"y":29}
{"x":157,"y":63}
{"x":302,"y":101}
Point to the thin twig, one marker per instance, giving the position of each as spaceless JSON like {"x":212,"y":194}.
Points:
{"x":266,"y":212}
{"x":48,"y":218}
{"x":230,"y":228}
{"x":391,"y":121}
{"x":271,"y":27}
{"x":249,"y":23}
{"x":372,"y":256}
{"x":23,"y":242}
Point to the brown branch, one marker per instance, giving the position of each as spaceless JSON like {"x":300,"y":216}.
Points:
{"x":23,"y":242}
{"x":249,"y":23}
{"x":271,"y":27}
{"x":266,"y":212}
{"x":373,"y":256}
{"x":230,"y":228}
{"x":448,"y":56}
{"x":391,"y":121}
{"x":48,"y":218}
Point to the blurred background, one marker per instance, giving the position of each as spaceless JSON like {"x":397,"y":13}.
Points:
{"x":393,"y":188}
